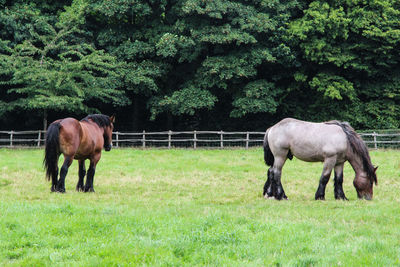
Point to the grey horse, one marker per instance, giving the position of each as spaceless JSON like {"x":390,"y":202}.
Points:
{"x":332,"y":143}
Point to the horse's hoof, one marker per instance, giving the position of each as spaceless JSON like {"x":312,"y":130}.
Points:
{"x":320,"y":198}
{"x":60,"y":189}
{"x":89,"y":190}
{"x":268,"y":197}
{"x":281,"y":197}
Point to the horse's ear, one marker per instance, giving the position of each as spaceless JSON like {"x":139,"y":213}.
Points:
{"x":112,"y":118}
{"x":375,"y":168}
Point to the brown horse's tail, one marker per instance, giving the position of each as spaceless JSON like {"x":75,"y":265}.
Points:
{"x":52,"y":150}
{"x":268,"y":156}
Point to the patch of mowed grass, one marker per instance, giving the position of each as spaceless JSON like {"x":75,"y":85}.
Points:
{"x":194,"y":207}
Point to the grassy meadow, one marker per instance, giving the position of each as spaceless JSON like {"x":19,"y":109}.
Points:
{"x":194,"y":207}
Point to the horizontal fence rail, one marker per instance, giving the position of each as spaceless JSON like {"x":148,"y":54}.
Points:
{"x":193,"y":139}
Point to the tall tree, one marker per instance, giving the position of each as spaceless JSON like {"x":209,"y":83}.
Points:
{"x":186,"y":56}
{"x":349,"y":53}
{"x":52,"y":68}
{"x":231,"y":51}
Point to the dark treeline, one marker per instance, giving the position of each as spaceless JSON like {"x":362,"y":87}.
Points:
{"x":200,"y":64}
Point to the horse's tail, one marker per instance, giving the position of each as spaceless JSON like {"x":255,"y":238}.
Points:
{"x":52,"y":149}
{"x":268,"y":156}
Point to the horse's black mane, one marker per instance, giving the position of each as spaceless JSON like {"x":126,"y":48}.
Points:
{"x":358,"y":146}
{"x":99,"y":119}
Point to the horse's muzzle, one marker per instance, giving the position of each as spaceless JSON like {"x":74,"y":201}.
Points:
{"x":107,"y":147}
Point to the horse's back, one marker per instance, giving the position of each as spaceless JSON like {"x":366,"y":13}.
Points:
{"x":307,"y":141}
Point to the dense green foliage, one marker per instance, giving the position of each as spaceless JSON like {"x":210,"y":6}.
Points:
{"x":201,"y":64}
{"x":194,"y":208}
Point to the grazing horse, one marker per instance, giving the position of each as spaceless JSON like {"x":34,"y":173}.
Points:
{"x":79,"y":140}
{"x":332,"y":143}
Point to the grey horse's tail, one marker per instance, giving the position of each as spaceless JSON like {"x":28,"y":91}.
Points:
{"x":268,"y":156}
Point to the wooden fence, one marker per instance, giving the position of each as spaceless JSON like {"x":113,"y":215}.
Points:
{"x":193,"y":139}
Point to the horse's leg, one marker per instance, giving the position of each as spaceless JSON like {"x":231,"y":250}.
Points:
{"x":339,"y":193}
{"x":90,"y":174}
{"x":63,"y":173}
{"x":276,"y":174}
{"x":269,"y":186}
{"x":54,"y":176}
{"x":82,"y":173}
{"x":329,"y":163}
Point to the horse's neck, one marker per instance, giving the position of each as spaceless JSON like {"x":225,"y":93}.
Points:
{"x":356,"y":162}
{"x":91,"y":125}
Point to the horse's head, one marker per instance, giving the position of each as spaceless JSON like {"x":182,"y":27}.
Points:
{"x":364,"y":184}
{"x":108,"y":134}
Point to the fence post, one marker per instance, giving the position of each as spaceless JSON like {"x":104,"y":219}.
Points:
{"x":11,"y":138}
{"x":222,"y":139}
{"x":117,"y":139}
{"x":375,"y":144}
{"x":247,"y":140}
{"x":169,"y":139}
{"x":144,"y":139}
{"x":194,"y":139}
{"x":38,"y":138}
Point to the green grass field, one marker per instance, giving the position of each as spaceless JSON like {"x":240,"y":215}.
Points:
{"x":194,"y":207}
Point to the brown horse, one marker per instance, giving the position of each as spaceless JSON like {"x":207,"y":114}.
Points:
{"x":79,"y":140}
{"x":332,"y":143}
